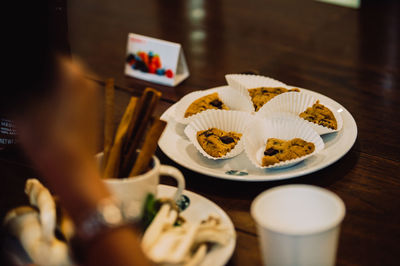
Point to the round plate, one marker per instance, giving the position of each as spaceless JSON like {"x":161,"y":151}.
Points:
{"x":177,"y":146}
{"x":198,"y":210}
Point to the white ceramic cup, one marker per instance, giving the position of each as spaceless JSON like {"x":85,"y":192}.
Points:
{"x":298,"y":225}
{"x":132,"y":191}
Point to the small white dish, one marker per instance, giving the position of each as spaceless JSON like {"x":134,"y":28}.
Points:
{"x":198,"y":210}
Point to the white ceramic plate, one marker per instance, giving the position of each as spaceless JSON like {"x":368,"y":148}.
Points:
{"x":198,"y":210}
{"x":177,"y":146}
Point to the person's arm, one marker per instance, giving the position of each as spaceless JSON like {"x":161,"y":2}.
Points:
{"x":59,"y":136}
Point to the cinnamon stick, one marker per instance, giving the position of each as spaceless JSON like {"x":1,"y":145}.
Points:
{"x":108,"y":119}
{"x":138,"y":126}
{"x":149,"y":147}
{"x":113,"y":163}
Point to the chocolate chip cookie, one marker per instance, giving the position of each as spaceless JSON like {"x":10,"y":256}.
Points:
{"x":320,"y":115}
{"x":216,"y":142}
{"x":278,"y":150}
{"x":260,"y":96}
{"x":211,"y":101}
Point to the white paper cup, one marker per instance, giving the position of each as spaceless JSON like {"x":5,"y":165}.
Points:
{"x":132,"y":191}
{"x":295,"y":103}
{"x":228,"y":96}
{"x":298,"y":225}
{"x":225,"y":120}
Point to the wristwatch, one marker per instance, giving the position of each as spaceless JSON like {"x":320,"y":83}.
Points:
{"x":107,"y":216}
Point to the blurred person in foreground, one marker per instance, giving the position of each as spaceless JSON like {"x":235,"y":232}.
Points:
{"x":55,"y":112}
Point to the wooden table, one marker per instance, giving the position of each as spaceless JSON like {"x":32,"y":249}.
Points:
{"x":351,"y":56}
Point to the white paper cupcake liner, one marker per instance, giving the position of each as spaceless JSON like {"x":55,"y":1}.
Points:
{"x":296,"y":103}
{"x":242,"y":83}
{"x":229,"y":97}
{"x":281,"y":126}
{"x":225,"y":120}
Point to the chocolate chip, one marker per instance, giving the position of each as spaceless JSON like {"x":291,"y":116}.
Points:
{"x":226,"y":139}
{"x":207,"y":133}
{"x":216,"y":103}
{"x":270,"y":152}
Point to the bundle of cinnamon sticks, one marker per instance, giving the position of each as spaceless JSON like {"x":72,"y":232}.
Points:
{"x":137,"y":130}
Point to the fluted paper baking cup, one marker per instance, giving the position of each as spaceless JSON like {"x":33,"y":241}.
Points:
{"x":230,"y":97}
{"x":296,"y":103}
{"x":280,"y":126}
{"x":242,"y":83}
{"x":225,"y":120}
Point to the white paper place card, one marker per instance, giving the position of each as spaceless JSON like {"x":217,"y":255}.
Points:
{"x":155,"y":60}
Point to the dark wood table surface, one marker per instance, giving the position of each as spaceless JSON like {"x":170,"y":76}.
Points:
{"x":351,"y":56}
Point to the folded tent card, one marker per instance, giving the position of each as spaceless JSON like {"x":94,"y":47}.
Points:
{"x":155,"y":60}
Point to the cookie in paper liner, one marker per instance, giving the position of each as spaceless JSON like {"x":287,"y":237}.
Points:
{"x":295,"y":104}
{"x":227,"y":95}
{"x":227,"y":121}
{"x":280,"y":126}
{"x":257,"y":90}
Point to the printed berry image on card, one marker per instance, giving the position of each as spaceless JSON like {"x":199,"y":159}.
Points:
{"x":155,"y":60}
